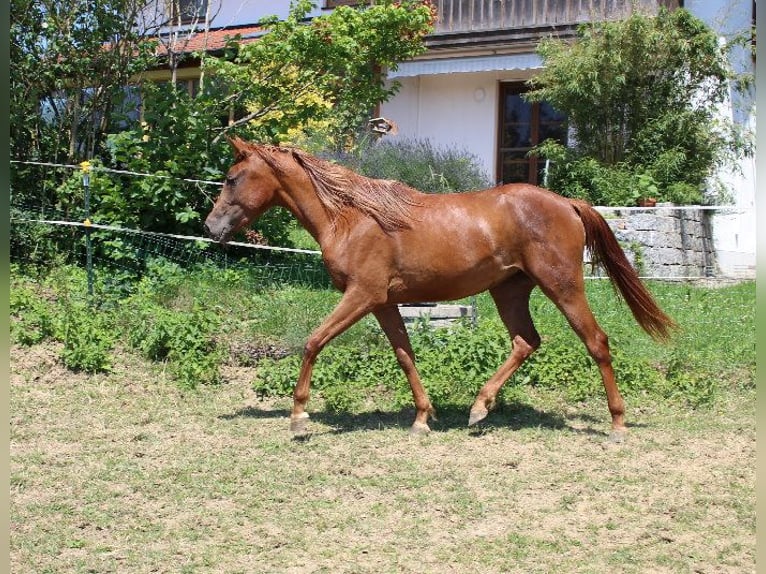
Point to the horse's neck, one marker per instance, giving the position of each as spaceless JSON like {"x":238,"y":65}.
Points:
{"x":300,"y":198}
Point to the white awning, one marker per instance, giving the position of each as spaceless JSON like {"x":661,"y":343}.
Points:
{"x":472,"y":64}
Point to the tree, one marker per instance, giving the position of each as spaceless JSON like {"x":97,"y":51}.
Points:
{"x":641,"y":97}
{"x":301,"y":76}
{"x":70,"y":63}
{"x":76,"y":56}
{"x":327,"y":71}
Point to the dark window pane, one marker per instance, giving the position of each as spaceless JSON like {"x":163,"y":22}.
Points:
{"x":515,"y":171}
{"x":517,"y":110}
{"x":517,"y":136}
{"x":523,"y":126}
{"x":515,"y":155}
{"x":557,"y":132}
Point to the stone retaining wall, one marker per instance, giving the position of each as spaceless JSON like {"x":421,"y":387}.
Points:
{"x":438,"y":315}
{"x":665,"y":241}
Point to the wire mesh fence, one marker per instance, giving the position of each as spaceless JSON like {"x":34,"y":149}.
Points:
{"x":43,"y":227}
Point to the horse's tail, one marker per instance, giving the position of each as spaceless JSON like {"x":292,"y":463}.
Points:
{"x":606,"y":251}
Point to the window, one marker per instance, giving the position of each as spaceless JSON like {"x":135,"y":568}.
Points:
{"x":523,"y":125}
{"x":186,"y":11}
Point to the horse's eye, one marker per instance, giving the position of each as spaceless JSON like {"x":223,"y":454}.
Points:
{"x":231,"y":181}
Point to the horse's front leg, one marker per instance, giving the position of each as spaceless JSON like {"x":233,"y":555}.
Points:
{"x":354,"y":305}
{"x":391,"y":322}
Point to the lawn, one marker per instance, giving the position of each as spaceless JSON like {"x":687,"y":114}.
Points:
{"x":127,"y":472}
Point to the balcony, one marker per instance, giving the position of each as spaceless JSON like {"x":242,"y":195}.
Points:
{"x":487,"y":21}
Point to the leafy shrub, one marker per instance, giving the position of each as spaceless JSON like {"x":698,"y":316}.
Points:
{"x":421,"y":165}
{"x":454,"y":364}
{"x":33,"y":317}
{"x":172,"y":149}
{"x":185,"y":339}
{"x":574,"y":175}
{"x":88,"y":334}
{"x":689,"y":379}
{"x":180,"y":318}
{"x":34,"y":244}
{"x":88,"y":340}
{"x":562,"y":362}
{"x":640,"y":94}
{"x":192,"y":368}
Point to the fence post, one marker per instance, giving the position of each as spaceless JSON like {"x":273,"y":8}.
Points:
{"x":85,"y":167}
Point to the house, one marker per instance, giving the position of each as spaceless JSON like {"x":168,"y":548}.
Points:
{"x":466,"y":90}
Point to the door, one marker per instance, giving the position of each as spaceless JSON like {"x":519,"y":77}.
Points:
{"x":523,"y":125}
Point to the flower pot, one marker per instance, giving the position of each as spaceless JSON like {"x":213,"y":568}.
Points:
{"x":647,"y":202}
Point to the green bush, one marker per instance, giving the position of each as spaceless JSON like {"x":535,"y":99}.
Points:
{"x":455,"y":363}
{"x":188,"y":319}
{"x":572,"y":174}
{"x":186,"y":339}
{"x":35,"y":244}
{"x":33,"y":316}
{"x":88,"y":340}
{"x":420,"y":164}
{"x":641,"y":96}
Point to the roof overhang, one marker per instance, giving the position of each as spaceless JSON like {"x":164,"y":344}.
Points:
{"x":493,"y":63}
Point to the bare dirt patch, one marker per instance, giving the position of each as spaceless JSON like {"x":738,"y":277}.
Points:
{"x":124,"y":472}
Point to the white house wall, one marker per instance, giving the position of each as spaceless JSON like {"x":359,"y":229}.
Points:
{"x":734,"y":232}
{"x":453,"y":110}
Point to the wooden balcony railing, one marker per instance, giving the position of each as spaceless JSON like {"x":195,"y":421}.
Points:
{"x":485,"y":15}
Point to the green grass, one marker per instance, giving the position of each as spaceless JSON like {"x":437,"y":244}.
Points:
{"x":196,"y":322}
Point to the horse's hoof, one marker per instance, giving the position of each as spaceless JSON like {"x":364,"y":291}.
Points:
{"x":476,"y":417}
{"x":618,"y":436}
{"x":419,"y":429}
{"x":299,"y":424}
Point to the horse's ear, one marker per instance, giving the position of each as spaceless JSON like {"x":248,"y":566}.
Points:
{"x":241,"y":148}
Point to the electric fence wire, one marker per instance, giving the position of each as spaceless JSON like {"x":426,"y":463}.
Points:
{"x":167,"y":244}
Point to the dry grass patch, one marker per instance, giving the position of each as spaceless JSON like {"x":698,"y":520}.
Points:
{"x":124,"y":472}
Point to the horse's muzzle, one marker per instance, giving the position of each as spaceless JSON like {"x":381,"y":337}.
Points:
{"x":217,"y":234}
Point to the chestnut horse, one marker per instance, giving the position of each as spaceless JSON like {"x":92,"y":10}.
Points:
{"x":384,"y":243}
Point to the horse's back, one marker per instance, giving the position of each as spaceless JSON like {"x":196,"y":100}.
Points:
{"x":516,"y":212}
{"x":465,"y":243}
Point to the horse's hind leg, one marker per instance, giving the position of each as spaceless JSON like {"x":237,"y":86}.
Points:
{"x":569,"y":297}
{"x":393,"y":326}
{"x":512,"y":301}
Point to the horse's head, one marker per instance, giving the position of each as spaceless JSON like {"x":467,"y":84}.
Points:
{"x":250,"y":188}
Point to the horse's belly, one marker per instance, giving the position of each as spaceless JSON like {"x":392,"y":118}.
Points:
{"x":447,"y":280}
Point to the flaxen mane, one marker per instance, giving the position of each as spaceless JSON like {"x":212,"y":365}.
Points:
{"x":388,"y":202}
